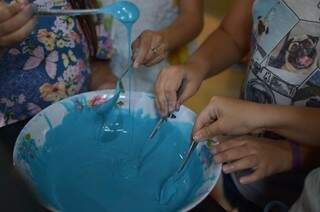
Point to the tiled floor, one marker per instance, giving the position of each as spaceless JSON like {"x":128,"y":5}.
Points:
{"x":227,"y":83}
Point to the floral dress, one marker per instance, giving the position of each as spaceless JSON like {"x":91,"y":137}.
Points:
{"x":49,"y":65}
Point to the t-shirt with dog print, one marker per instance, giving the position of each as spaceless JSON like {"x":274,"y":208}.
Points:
{"x":284,"y":66}
{"x":284,"y":69}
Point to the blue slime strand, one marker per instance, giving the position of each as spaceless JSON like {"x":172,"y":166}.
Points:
{"x":127,"y":13}
{"x":106,"y":108}
{"x":109,"y":125}
{"x":129,"y":31}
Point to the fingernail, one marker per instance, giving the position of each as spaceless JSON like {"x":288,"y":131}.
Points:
{"x":197,"y":136}
{"x":217,"y":159}
{"x":162,"y":114}
{"x":213,"y":150}
{"x":226,"y":169}
{"x":23,"y":4}
{"x":134,"y":55}
{"x":135,"y":64}
{"x":13,"y":3}
{"x":178,"y":107}
{"x":171,"y":108}
{"x":243,"y":181}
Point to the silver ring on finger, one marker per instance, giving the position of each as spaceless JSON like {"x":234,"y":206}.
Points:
{"x":155,"y":50}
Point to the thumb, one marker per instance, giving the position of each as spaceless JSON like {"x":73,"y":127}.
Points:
{"x":11,"y":9}
{"x":188,"y":91}
{"x":208,"y":132}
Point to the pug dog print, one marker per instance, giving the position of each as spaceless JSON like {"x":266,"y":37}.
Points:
{"x":285,"y":53}
{"x":298,"y":54}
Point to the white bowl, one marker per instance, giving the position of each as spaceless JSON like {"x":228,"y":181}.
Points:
{"x":32,"y":137}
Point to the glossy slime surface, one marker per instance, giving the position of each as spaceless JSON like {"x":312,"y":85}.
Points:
{"x":94,"y":162}
{"x":84,"y":167}
{"x":124,"y":11}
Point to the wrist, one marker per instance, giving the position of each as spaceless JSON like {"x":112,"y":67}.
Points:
{"x":166,"y":39}
{"x":272,"y":117}
{"x":200,"y":67}
{"x":255,"y":122}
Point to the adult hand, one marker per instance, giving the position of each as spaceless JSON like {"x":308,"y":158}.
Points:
{"x":175,"y":85}
{"x":227,"y":116}
{"x":16,"y":22}
{"x":264,"y":157}
{"x":149,"y":48}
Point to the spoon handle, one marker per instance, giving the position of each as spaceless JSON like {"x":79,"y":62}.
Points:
{"x":188,"y":155}
{"x":53,"y":12}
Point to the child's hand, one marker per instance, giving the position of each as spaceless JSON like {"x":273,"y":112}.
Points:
{"x":16,"y":22}
{"x":264,"y":157}
{"x":227,"y":116}
{"x":149,"y":48}
{"x":175,"y":85}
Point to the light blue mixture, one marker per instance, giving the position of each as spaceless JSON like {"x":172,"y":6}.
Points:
{"x":86,"y":167}
{"x":97,"y":161}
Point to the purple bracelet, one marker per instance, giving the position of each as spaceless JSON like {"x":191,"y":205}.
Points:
{"x":296,"y":156}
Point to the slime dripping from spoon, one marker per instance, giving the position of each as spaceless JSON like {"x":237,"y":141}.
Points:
{"x":127,"y":13}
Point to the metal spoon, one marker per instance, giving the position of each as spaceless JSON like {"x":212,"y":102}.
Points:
{"x":158,"y":125}
{"x":124,"y":11}
{"x":187,"y":157}
{"x":191,"y":149}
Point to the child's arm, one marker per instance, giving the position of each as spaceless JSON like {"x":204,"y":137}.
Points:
{"x":153,"y":46}
{"x":187,"y":25}
{"x":16,"y":22}
{"x":228,"y":44}
{"x":228,"y":116}
{"x":225,"y":46}
{"x":301,"y":124}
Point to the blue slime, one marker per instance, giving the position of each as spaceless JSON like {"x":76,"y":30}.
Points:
{"x":88,"y":163}
{"x":124,"y":11}
{"x":82,"y":167}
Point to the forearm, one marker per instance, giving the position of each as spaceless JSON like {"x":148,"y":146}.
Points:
{"x":299,"y":124}
{"x":183,"y":30}
{"x":186,"y":26}
{"x":217,"y":53}
{"x":296,"y":123}
{"x":228,"y":44}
